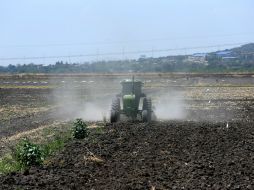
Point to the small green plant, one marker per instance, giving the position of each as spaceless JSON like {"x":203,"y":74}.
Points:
{"x":53,"y":146}
{"x":8,"y":164}
{"x":80,"y":130}
{"x":28,"y":154}
{"x":99,"y":130}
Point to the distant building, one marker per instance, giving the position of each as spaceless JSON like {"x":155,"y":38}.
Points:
{"x":225,"y":53}
{"x":199,"y":54}
{"x":199,"y":58}
{"x":229,"y":58}
{"x":142,"y":56}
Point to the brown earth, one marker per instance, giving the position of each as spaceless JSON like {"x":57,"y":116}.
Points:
{"x":199,"y":154}
{"x":159,"y":155}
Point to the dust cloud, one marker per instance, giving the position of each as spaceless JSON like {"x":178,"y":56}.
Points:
{"x":91,"y":102}
{"x":81,"y":101}
{"x":170,"y":105}
{"x":93,"y":111}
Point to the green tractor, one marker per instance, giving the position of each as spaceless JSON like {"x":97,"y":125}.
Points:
{"x":130,"y":99}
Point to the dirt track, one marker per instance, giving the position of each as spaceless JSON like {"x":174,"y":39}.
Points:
{"x":160,"y":155}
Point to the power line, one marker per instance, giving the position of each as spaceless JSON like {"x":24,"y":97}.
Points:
{"x":121,"y":42}
{"x":120,"y":53}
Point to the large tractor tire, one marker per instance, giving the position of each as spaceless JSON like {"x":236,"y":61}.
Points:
{"x":115,"y":110}
{"x":144,"y":116}
{"x":147,"y":110}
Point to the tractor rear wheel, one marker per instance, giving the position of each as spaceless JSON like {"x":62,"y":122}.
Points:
{"x":115,"y":110}
{"x":144,"y":116}
{"x":147,"y":110}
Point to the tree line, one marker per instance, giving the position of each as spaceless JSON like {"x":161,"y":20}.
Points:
{"x":237,"y":61}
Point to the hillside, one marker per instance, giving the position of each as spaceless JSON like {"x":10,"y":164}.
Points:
{"x":247,"y":48}
{"x":238,"y":59}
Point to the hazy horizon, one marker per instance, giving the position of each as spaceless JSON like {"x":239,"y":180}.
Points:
{"x":112,"y":29}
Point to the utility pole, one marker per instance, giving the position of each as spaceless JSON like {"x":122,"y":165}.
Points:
{"x":97,"y":55}
{"x":123,"y":53}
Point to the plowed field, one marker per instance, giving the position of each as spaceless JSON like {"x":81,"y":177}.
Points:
{"x":159,"y":155}
{"x":203,"y":139}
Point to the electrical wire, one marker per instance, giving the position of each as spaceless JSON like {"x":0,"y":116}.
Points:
{"x":119,"y":53}
{"x":124,"y":42}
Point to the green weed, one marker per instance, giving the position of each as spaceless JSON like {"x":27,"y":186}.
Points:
{"x":80,"y":129}
{"x":27,"y":153}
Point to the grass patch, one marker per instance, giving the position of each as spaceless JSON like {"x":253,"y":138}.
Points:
{"x":50,"y":141}
{"x":55,"y":145}
{"x":9,"y":162}
{"x":99,"y":130}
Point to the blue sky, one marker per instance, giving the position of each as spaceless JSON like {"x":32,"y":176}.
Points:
{"x":45,"y":28}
